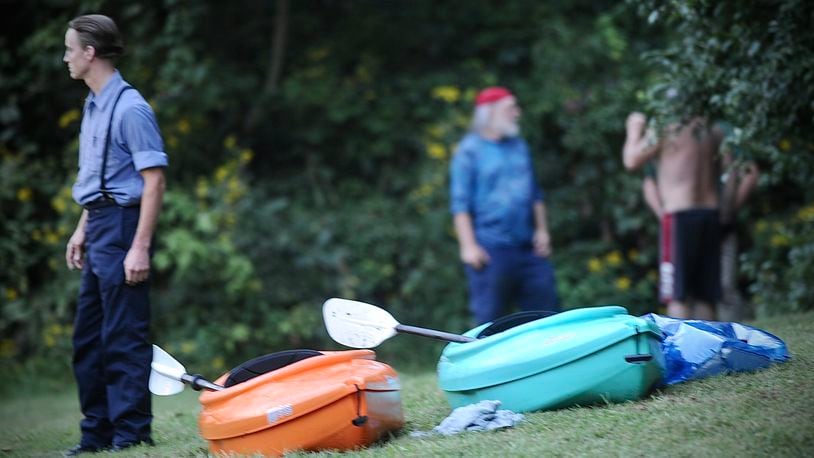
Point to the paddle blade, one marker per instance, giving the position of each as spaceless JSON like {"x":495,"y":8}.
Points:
{"x":166,"y":373}
{"x":357,"y":324}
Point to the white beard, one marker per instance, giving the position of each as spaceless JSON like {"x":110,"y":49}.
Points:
{"x":509,"y":129}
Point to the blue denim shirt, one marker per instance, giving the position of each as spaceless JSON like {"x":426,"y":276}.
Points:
{"x":135,"y":145}
{"x":494,"y":182}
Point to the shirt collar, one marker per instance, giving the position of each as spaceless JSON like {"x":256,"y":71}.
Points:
{"x":108,"y":91}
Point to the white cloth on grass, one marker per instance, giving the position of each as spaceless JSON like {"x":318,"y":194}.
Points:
{"x":481,"y":416}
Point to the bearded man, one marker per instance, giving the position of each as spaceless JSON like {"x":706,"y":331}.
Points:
{"x":499,"y":213}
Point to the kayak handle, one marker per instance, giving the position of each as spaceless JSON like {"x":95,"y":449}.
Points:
{"x":638,"y":358}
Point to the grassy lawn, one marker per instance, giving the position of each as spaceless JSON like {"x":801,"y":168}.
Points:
{"x":767,"y":413}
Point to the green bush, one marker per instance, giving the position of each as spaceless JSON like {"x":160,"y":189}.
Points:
{"x":595,"y":273}
{"x":329,"y":178}
{"x":781,"y":262}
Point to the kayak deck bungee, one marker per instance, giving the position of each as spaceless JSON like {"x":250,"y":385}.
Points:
{"x":335,"y":400}
{"x":578,"y":357}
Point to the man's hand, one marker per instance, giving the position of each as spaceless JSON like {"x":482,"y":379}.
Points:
{"x":474,"y":255}
{"x":136,"y":266}
{"x":75,"y":251}
{"x":542,"y":243}
{"x":636,"y":123}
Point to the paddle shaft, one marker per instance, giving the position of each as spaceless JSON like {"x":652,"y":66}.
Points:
{"x":440,"y":335}
{"x":197,"y":383}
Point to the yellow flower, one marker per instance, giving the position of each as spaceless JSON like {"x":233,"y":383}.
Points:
{"x":449,"y":94}
{"x":188,"y":347}
{"x":436,"y":151}
{"x":229,"y":142}
{"x":594,"y":265}
{"x":424,"y":190}
{"x":436,"y":131}
{"x":221,"y":173}
{"x":183,"y":126}
{"x":24,"y":194}
{"x":235,"y":190}
{"x":68,"y":117}
{"x":11,"y":294}
{"x":51,"y":335}
{"x":49,"y":340}
{"x":806,"y":213}
{"x":59,"y":204}
{"x":202,"y":188}
{"x":51,"y":237}
{"x":779,"y":240}
{"x":7,"y":348}
{"x":784,"y":145}
{"x":246,"y":155}
{"x":623,"y":283}
{"x":614,"y":258}
{"x":633,"y":254}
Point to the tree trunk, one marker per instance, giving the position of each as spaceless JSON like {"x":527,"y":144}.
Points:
{"x":278,"y":44}
{"x":732,"y":306}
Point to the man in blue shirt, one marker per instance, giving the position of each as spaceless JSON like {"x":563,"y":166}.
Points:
{"x":499,"y":213}
{"x":121,"y":185}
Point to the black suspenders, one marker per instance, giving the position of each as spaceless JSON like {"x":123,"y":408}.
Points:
{"x":103,"y":184}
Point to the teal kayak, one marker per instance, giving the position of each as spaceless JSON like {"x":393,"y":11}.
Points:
{"x":578,"y":357}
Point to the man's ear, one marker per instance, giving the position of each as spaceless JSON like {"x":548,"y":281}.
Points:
{"x":89,"y":52}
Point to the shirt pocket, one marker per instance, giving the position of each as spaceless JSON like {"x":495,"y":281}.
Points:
{"x":91,"y":143}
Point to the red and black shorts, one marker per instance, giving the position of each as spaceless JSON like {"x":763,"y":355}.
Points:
{"x":690,"y":265}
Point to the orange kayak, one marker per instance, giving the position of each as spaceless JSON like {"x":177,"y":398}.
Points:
{"x":338,"y":400}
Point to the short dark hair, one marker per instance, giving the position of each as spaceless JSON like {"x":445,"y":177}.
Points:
{"x":99,"y":31}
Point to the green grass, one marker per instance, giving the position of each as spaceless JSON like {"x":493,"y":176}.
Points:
{"x":767,"y":413}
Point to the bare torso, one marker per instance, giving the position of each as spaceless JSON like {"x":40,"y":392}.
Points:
{"x":688,"y":167}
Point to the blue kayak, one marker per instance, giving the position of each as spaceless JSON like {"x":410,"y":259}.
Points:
{"x":578,"y":357}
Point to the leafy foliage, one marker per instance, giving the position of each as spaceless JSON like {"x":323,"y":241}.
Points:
{"x":749,"y":64}
{"x":340,"y":186}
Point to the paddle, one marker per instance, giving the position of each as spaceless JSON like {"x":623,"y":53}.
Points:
{"x":168,"y":376}
{"x":361,"y":325}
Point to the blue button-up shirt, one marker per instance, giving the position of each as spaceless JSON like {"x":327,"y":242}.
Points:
{"x":135,"y":145}
{"x":494,"y":182}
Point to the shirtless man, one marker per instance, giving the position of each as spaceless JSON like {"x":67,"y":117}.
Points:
{"x":687,"y":168}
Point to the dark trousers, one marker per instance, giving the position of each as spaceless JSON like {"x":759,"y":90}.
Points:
{"x":112,"y":353}
{"x":514,"y":273}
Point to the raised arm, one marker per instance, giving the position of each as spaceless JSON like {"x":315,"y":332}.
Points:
{"x":638,"y":149}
